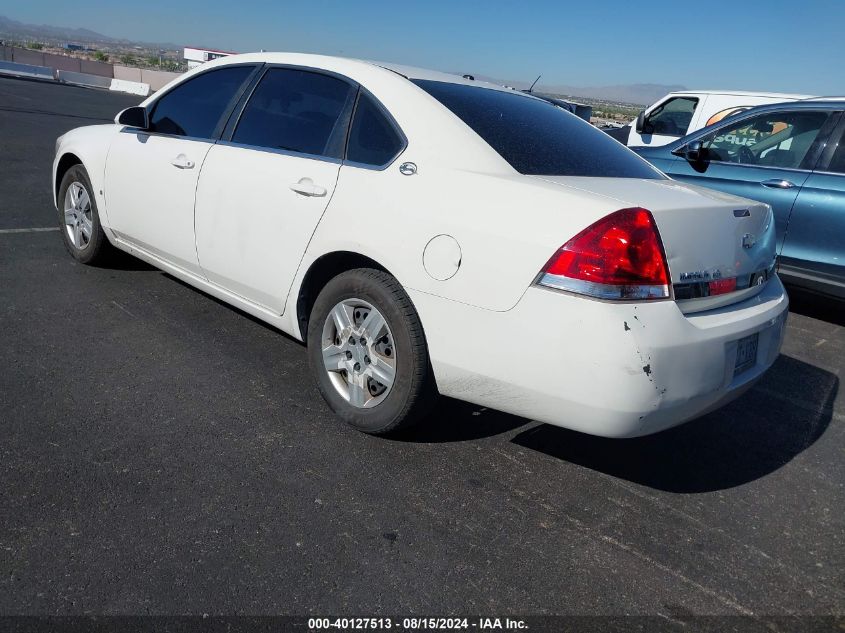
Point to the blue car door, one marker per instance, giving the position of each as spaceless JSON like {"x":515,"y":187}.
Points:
{"x":814,"y":252}
{"x":765,"y":157}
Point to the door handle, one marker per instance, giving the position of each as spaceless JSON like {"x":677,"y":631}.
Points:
{"x":182,"y":162}
{"x":307,"y":188}
{"x":777,"y":183}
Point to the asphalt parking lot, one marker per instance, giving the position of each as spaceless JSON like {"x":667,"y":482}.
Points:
{"x":162,"y":453}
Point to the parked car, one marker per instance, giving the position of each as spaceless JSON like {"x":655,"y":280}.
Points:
{"x":427,"y":234}
{"x":790,"y":156}
{"x":681,"y":113}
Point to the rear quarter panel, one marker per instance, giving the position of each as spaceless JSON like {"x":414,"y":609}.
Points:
{"x":507,"y":227}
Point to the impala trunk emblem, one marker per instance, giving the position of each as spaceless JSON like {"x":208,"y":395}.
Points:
{"x":748,"y":240}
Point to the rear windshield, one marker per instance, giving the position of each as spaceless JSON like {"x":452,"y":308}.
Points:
{"x":536,"y":137}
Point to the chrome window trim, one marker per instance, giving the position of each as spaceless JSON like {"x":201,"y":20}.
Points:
{"x":746,"y":165}
{"x":824,"y":172}
{"x":178,"y":137}
{"x":281,"y":152}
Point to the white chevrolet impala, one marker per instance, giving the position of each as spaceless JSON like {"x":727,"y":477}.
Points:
{"x":426,"y":234}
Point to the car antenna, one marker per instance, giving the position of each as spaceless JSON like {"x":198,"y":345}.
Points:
{"x":534,"y":84}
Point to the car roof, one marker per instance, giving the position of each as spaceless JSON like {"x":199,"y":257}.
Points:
{"x":744,"y":93}
{"x":414,"y":72}
{"x":827,"y":103}
{"x":408,"y":72}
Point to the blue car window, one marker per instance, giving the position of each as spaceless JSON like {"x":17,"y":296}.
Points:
{"x":772,"y":139}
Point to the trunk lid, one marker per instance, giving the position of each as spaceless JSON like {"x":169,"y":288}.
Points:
{"x":707,"y":235}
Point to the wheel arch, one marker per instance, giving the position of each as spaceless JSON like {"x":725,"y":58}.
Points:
{"x":68,"y":160}
{"x":319,"y":273}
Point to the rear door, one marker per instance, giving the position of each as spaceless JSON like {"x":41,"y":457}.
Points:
{"x":763,"y":157}
{"x":814,"y":251}
{"x":263,"y":189}
{"x":151,"y":175}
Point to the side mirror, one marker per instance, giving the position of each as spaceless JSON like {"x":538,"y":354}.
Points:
{"x":640,"y":124}
{"x":692,"y":151}
{"x":135,"y":116}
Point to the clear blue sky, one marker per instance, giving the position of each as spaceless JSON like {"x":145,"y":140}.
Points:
{"x":762,"y":45}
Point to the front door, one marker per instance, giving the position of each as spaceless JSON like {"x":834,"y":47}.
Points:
{"x":151,"y":175}
{"x":150,"y":183}
{"x":262,"y":193}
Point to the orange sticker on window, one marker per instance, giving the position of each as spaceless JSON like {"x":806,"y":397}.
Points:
{"x":724,"y":114}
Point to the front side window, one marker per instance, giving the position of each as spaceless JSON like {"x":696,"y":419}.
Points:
{"x":298,"y":111}
{"x":536,"y":137}
{"x":372,"y":139}
{"x":672,"y":117}
{"x":194,"y":108}
{"x":775,"y":139}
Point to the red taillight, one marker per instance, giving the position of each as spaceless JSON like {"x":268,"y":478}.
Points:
{"x":619,"y":257}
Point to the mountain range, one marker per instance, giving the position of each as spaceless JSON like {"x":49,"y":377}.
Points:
{"x":640,"y":94}
{"x":46,"y":32}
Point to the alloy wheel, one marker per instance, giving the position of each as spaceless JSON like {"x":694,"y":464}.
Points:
{"x":358,"y":353}
{"x":79,"y":218}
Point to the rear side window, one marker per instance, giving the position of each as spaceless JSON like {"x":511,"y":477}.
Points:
{"x":194,"y":108}
{"x":536,"y":137}
{"x":298,"y":111}
{"x":372,"y":138}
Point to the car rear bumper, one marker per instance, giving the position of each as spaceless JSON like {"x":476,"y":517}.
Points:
{"x":609,"y":369}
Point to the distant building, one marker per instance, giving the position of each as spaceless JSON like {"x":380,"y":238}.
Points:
{"x":74,"y":47}
{"x":196,"y":56}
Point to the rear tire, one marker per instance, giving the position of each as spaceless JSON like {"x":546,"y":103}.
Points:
{"x":368,"y":354}
{"x":79,"y":218}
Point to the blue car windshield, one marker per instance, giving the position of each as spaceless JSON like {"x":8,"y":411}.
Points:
{"x":536,"y":137}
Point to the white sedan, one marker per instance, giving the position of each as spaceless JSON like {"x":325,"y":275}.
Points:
{"x":426,"y":234}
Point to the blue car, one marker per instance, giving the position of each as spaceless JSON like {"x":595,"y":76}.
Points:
{"x":791,"y":156}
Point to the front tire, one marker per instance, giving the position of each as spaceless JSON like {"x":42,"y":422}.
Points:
{"x":79,"y":218}
{"x":368,"y":354}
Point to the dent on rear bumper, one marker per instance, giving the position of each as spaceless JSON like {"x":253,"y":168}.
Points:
{"x":616,"y":370}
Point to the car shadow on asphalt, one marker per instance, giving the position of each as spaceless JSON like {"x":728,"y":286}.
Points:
{"x":729,"y":447}
{"x":457,"y":421}
{"x":120,"y":260}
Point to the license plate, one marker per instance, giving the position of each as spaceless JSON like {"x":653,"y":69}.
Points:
{"x":746,"y":353}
